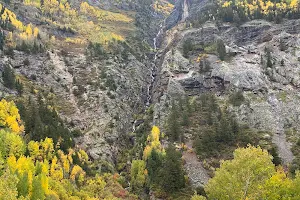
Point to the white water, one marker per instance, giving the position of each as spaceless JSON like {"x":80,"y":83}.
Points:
{"x":185,"y":13}
{"x":152,"y":72}
{"x":153,"y":68}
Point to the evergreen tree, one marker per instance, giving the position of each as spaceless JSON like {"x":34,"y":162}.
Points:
{"x":38,"y":184}
{"x":187,"y":47}
{"x":23,"y":185}
{"x":2,"y":39}
{"x":269,"y":59}
{"x":35,"y":47}
{"x":19,"y":87}
{"x":221,"y":49}
{"x":8,"y":76}
{"x":282,"y":62}
{"x":154,"y":164}
{"x":172,"y":171}
{"x":185,"y":118}
{"x":276,"y":159}
{"x":173,"y":129}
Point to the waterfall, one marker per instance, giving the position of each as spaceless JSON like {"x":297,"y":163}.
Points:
{"x":185,"y":13}
{"x":153,"y":68}
{"x":153,"y":65}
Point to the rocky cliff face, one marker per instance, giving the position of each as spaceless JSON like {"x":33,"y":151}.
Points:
{"x":104,"y":116}
{"x":100,"y":97}
{"x":271,"y":91}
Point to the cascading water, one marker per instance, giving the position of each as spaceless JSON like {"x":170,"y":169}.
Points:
{"x":152,"y":72}
{"x":185,"y":13}
{"x":184,"y":16}
{"x":153,"y":68}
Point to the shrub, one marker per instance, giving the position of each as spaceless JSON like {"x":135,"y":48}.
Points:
{"x":187,"y":47}
{"x":237,"y":98}
{"x":26,"y":62}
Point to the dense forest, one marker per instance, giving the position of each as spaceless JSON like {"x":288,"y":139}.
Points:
{"x":240,"y":11}
{"x":41,"y":170}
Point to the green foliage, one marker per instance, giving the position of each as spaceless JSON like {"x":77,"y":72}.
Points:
{"x":219,"y":129}
{"x":274,"y":153}
{"x":221,"y":49}
{"x":38,"y":192}
{"x":178,"y":118}
{"x":154,"y":165}
{"x":42,"y":121}
{"x":211,"y":48}
{"x":8,"y":76}
{"x":237,"y":98}
{"x":187,"y":47}
{"x":173,"y":128}
{"x":10,"y":81}
{"x":204,"y":66}
{"x":240,"y":11}
{"x":30,"y":47}
{"x":279,"y":186}
{"x":138,"y":176}
{"x":269,"y":59}
{"x":295,"y":166}
{"x":251,"y":175}
{"x":11,"y":144}
{"x":250,"y":168}
{"x":2,"y":40}
{"x":198,"y":197}
{"x":172,"y":171}
{"x":47,"y":173}
{"x":8,"y":186}
{"x":96,"y":50}
{"x":23,"y":185}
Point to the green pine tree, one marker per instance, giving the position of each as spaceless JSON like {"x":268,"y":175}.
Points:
{"x":9,"y":78}
{"x":154,"y":164}
{"x":221,"y":49}
{"x":172,"y":171}
{"x":173,"y":128}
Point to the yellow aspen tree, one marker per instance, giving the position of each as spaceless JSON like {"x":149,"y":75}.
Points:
{"x":47,"y":148}
{"x":294,"y":5}
{"x":28,"y":30}
{"x":153,"y":141}
{"x":56,"y":171}
{"x":76,"y":172}
{"x":35,"y":32}
{"x":70,"y":154}
{"x":34,"y":149}
{"x":9,"y":116}
{"x":45,"y":183}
